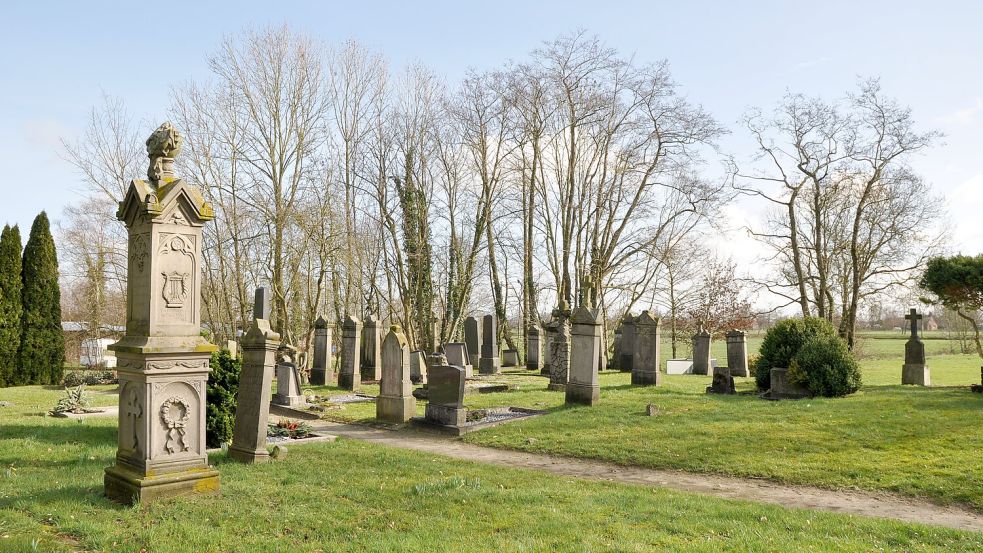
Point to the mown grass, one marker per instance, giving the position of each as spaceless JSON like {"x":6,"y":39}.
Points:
{"x":355,"y":496}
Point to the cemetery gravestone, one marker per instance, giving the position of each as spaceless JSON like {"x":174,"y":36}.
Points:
{"x":163,"y":362}
{"x":322,"y":372}
{"x":510,"y":358}
{"x":722,"y":383}
{"x":288,"y":384}
{"x":533,"y":347}
{"x":395,"y":402}
{"x":560,"y":354}
{"x":627,"y":343}
{"x":457,"y":355}
{"x":349,"y":378}
{"x":233,"y":348}
{"x":489,"y":362}
{"x":371,"y":352}
{"x":418,"y":367}
{"x":262,"y":304}
{"x":446,"y":400}
{"x":645,"y":362}
{"x":737,"y":353}
{"x":783,"y":388}
{"x":701,"y":352}
{"x":472,"y":337}
{"x":550,"y":333}
{"x":582,"y":387}
{"x":259,"y":347}
{"x":615,"y":363}
{"x":914,"y":371}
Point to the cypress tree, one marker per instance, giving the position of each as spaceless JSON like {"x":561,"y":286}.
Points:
{"x":42,"y":346}
{"x":10,"y":305}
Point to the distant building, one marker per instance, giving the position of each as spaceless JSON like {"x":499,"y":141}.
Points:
{"x":88,"y":348}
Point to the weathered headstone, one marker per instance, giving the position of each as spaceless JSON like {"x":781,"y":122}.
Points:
{"x":322,"y":371}
{"x":645,"y":362}
{"x":445,"y":403}
{"x":232,"y":347}
{"x":163,"y":362}
{"x":489,"y":362}
{"x":288,"y":385}
{"x":534,"y":350}
{"x":722,"y":383}
{"x":560,"y":351}
{"x":615,"y":362}
{"x":457,"y":355}
{"x":701,"y":352}
{"x":783,"y":388}
{"x":582,"y":387}
{"x":737,"y":353}
{"x":510,"y":358}
{"x":371,"y":349}
{"x":395,"y":402}
{"x":259,"y":347}
{"x":418,"y":367}
{"x":349,"y":377}
{"x":914,"y":371}
{"x":262,"y":303}
{"x":549,"y":331}
{"x":627,"y":342}
{"x":472,"y":337}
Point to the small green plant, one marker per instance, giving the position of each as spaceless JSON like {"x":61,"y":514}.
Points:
{"x":75,"y":401}
{"x":826,"y":366}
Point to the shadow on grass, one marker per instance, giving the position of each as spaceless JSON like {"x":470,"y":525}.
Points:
{"x":59,"y":434}
{"x":70,"y":494}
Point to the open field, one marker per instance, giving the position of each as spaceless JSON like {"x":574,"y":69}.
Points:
{"x":354,"y":496}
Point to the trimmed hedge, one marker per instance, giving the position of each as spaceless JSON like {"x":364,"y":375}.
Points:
{"x":826,"y":366}
{"x":783,"y":341}
{"x":220,"y":397}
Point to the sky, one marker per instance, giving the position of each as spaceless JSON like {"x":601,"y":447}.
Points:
{"x":57,"y":59}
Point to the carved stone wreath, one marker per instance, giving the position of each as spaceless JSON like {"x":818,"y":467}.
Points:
{"x":175,"y":426}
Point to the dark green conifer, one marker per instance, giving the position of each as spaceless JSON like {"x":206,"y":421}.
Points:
{"x":42,"y":346}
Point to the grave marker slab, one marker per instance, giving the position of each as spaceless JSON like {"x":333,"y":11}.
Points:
{"x":915,"y":371}
{"x":446,"y":396}
{"x":627,"y":343}
{"x":395,"y":402}
{"x":489,"y":362}
{"x":472,"y":337}
{"x":288,"y":385}
{"x":322,"y":371}
{"x":259,"y":347}
{"x":737,"y":353}
{"x":510,"y":358}
{"x":645,"y":362}
{"x":418,"y":367}
{"x":701,"y":352}
{"x":457,"y":355}
{"x":371,"y":349}
{"x":534,"y":350}
{"x":349,"y":378}
{"x":583,"y":387}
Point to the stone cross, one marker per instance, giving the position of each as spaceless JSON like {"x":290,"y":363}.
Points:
{"x":262,"y":304}
{"x":914,"y":317}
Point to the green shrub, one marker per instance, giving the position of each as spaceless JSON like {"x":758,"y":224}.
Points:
{"x":220,"y":395}
{"x":783,"y":341}
{"x":826,"y":366}
{"x":10,"y":305}
{"x":42,"y":343}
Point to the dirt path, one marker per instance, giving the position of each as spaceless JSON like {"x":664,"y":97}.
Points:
{"x":868,"y":504}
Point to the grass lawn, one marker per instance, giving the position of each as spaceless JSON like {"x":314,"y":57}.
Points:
{"x":923,"y":442}
{"x":354,"y":496}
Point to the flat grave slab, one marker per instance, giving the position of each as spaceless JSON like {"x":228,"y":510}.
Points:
{"x":479,"y":419}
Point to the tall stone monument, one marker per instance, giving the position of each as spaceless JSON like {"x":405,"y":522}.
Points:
{"x":914,"y":371}
{"x":549,"y":333}
{"x":472,"y":337}
{"x":162,"y":360}
{"x":583,"y":387}
{"x":322,"y":371}
{"x":701,"y":352}
{"x":489,"y":363}
{"x":560,"y":348}
{"x":534,"y":350}
{"x":350,"y":375}
{"x":737,"y":353}
{"x":645,"y":363}
{"x":371,"y":349}
{"x":259,"y":347}
{"x":395,"y":402}
{"x":627,"y":342}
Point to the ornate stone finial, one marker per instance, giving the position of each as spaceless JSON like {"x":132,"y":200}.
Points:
{"x":162,"y":147}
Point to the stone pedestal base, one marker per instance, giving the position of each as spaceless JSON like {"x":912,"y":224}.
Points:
{"x":129,"y":487}
{"x":582,"y":394}
{"x":488,"y":365}
{"x":645,"y":378}
{"x":321,"y":377}
{"x":556,"y":387}
{"x":395,"y":409}
{"x":532,"y":365}
{"x":249,"y":455}
{"x":475,"y":359}
{"x":446,"y":415}
{"x":348,"y":382}
{"x":917,"y":375}
{"x":544,"y":370}
{"x":289,"y":401}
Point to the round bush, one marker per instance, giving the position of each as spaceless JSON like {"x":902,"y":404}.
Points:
{"x":783,"y":341}
{"x":826,"y":366}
